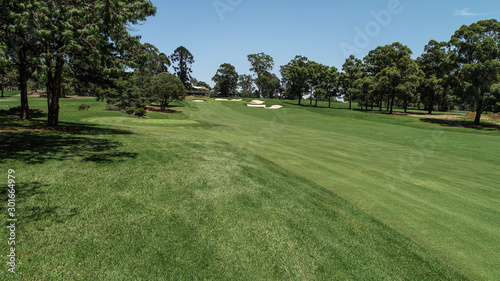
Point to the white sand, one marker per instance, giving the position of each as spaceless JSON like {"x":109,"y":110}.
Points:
{"x":276,"y":106}
{"x":198,"y":101}
{"x":229,"y":99}
{"x":258,"y":102}
{"x":256,"y":105}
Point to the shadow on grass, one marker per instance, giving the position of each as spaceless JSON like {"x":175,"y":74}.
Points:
{"x":32,"y":143}
{"x":461,"y":123}
{"x":16,"y":111}
{"x":31,"y":214}
{"x":319,"y":106}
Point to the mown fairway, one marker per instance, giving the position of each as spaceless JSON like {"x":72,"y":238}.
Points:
{"x":223,"y":191}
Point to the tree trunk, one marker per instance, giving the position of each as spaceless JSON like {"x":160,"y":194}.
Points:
{"x":54,"y":92}
{"x":405,"y":103}
{"x":392,"y":105}
{"x":350,"y":103}
{"x":431,"y":104}
{"x":479,"y":111}
{"x":329,"y":102}
{"x":23,"y":85}
{"x":389,"y":103}
{"x":316,"y":102}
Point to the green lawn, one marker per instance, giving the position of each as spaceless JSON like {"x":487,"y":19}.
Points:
{"x":221,"y":191}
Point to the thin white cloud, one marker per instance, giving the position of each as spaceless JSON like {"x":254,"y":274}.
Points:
{"x":467,"y":13}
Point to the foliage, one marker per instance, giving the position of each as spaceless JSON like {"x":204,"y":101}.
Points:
{"x":125,"y":91}
{"x":92,"y":36}
{"x":156,"y":61}
{"x":182,"y":60}
{"x":245,"y":82}
{"x":352,"y":71}
{"x":166,"y":88}
{"x":396,"y":74}
{"x":296,"y":77}
{"x":262,"y":64}
{"x":436,"y":66}
{"x":9,"y":78}
{"x":270,"y":84}
{"x":226,"y":80}
{"x":317,"y":74}
{"x":112,"y":107}
{"x":140,"y":112}
{"x":476,"y":50}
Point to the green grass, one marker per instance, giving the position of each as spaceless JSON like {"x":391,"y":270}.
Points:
{"x":221,"y":191}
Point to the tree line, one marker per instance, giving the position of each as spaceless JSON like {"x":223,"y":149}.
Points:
{"x":463,"y":72}
{"x":86,"y":47}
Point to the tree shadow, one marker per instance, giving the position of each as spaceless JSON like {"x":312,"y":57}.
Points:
{"x":31,"y":213}
{"x":16,"y":111}
{"x":23,"y":191}
{"x":306,"y":104}
{"x":35,"y":144}
{"x":462,"y":124}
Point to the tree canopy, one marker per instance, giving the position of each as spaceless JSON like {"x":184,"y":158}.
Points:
{"x":94,"y":36}
{"x":226,"y":80}
{"x":262,"y":64}
{"x":476,"y":50}
{"x":182,"y":60}
{"x":167,"y":88}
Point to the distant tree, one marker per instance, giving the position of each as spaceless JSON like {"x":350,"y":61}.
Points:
{"x":352,"y":71}
{"x":364,"y":89}
{"x":126,"y":92}
{"x":261,"y":64}
{"x":296,"y":76}
{"x":9,"y":78}
{"x":182,"y":60}
{"x":156,"y":62}
{"x":270,"y":84}
{"x":394,"y":71}
{"x":477,"y":53}
{"x":167,"y":88}
{"x":330,"y":85}
{"x":203,"y":84}
{"x":436,"y":66}
{"x":317,"y":74}
{"x":245,"y":82}
{"x":226,"y":80}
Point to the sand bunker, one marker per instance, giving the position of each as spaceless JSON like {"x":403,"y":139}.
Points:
{"x":257,"y":102}
{"x":260,"y":103}
{"x":276,"y":106}
{"x":229,"y":99}
{"x":198,"y":101}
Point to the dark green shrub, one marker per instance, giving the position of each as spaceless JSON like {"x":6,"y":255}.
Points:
{"x":140,"y":112}
{"x":84,"y":107}
{"x":130,"y":110}
{"x":112,"y":107}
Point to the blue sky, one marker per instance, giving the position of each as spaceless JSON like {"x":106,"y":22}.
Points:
{"x":226,"y":31}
